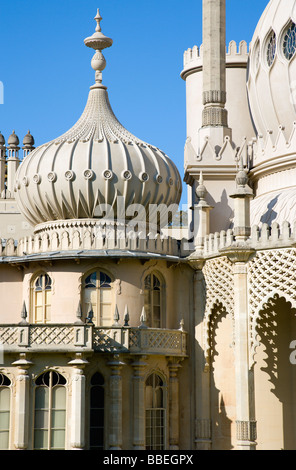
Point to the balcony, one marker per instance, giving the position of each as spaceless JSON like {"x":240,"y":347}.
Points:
{"x":77,"y":338}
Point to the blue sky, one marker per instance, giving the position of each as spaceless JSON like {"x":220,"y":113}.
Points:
{"x":46,"y":72}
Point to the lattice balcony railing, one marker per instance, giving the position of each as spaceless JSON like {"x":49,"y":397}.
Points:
{"x":86,"y":337}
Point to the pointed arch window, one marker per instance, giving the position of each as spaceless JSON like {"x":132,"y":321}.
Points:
{"x":41,"y":296}
{"x":97,"y":412}
{"x":4,"y":411}
{"x":50,"y":412}
{"x":97,"y":293}
{"x":155,"y":413}
{"x":153,"y":300}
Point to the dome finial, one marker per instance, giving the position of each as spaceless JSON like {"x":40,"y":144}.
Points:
{"x":98,"y":19}
{"x":98,"y":41}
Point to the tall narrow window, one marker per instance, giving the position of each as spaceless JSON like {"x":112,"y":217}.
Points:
{"x":97,"y":407}
{"x":153,"y":301}
{"x":50,"y":412}
{"x":42,"y":299}
{"x":155,"y":413}
{"x":98,"y":294}
{"x":271,"y":49}
{"x":4,"y":411}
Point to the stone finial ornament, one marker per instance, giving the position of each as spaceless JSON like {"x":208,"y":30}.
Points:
{"x":98,"y":41}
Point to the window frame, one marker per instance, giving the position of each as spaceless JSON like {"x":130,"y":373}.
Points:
{"x":49,"y":410}
{"x":45,"y":318}
{"x":162,"y":299}
{"x":98,"y":319}
{"x":153,"y":409}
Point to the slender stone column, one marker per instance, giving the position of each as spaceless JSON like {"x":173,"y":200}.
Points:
{"x":174,"y":413}
{"x":22,"y":409}
{"x":203,"y":437}
{"x":214,"y":67}
{"x":139,"y":403}
{"x":78,"y":404}
{"x":115,"y":422}
{"x":245,"y":410}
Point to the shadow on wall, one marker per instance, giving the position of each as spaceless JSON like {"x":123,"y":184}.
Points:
{"x":222,"y":379}
{"x":222,"y":214}
{"x":270,"y":215}
{"x":276,"y":327}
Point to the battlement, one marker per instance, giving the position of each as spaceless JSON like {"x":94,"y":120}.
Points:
{"x":261,"y":238}
{"x":236,"y":55}
{"x":83,"y":239}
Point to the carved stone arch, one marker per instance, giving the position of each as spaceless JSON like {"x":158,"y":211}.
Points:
{"x":9,"y":375}
{"x":156,"y":371}
{"x":269,"y":301}
{"x":57,"y":369}
{"x":38,"y":273}
{"x":112,"y":273}
{"x":145,"y":273}
{"x":214,"y":316}
{"x":271,"y":272}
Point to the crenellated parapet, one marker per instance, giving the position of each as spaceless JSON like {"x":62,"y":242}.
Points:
{"x":236,"y":56}
{"x":92,"y":239}
{"x":263,"y":237}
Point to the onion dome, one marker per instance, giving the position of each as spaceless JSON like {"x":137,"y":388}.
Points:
{"x":28,"y":141}
{"x":94,"y":163}
{"x":272,"y":69}
{"x":13,"y":140}
{"x":2,"y":140}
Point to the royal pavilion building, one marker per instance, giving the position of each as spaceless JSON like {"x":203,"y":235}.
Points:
{"x":118,"y":332}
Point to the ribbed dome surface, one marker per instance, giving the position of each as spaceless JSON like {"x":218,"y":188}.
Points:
{"x":272,"y":69}
{"x":93,"y":164}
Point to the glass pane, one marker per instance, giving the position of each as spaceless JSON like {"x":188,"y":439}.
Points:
{"x":156,"y":283}
{"x":4,"y":420}
{"x":156,"y":297}
{"x":47,"y":282}
{"x":149,"y":396}
{"x":156,"y":317}
{"x":4,"y":399}
{"x":106,"y":314}
{"x":91,"y":280}
{"x":59,"y":398}
{"x":47,"y":313}
{"x":97,"y":379}
{"x":97,"y":397}
{"x":47,"y":297}
{"x":4,"y":440}
{"x":41,"y":439}
{"x":58,"y":419}
{"x":147,"y":282}
{"x":38,"y":299}
{"x":97,"y":418}
{"x":38,"y":284}
{"x":41,"y":419}
{"x":105,"y":280}
{"x":58,"y":439}
{"x":105,"y":296}
{"x":42,"y":398}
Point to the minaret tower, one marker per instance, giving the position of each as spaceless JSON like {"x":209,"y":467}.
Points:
{"x":210,"y":148}
{"x":214,"y":69}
